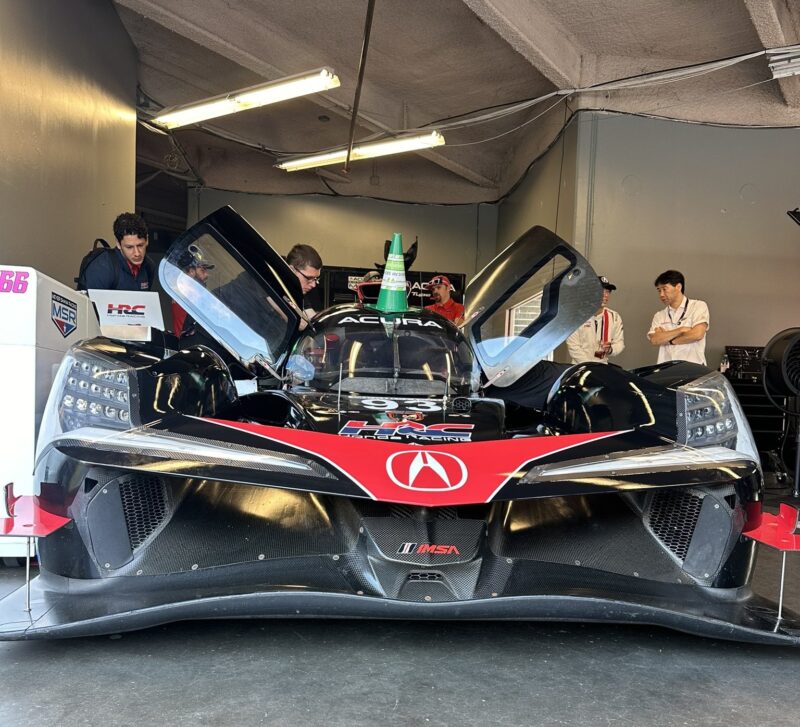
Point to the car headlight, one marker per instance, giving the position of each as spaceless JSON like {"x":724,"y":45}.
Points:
{"x":709,"y":414}
{"x":89,"y":390}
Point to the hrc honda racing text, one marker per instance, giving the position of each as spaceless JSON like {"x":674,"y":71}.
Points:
{"x":446,"y":432}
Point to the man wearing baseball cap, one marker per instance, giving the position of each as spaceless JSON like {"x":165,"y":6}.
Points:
{"x":439,"y":288}
{"x":601,"y":336}
{"x":195,"y":265}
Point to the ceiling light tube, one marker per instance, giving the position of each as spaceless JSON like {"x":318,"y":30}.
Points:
{"x":385,"y":147}
{"x":302,"y":84}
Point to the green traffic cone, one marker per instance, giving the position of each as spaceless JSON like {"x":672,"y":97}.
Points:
{"x":392,"y":298}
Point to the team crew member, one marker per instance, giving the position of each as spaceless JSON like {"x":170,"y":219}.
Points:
{"x":195,"y":266}
{"x":127,"y":266}
{"x":679,"y":330}
{"x":306,"y":263}
{"x":601,"y":336}
{"x":440,"y":287}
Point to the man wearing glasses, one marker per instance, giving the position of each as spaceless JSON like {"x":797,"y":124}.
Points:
{"x":306,"y":263}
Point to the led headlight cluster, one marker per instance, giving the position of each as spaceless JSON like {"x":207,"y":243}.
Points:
{"x":706,"y":415}
{"x":94,"y":392}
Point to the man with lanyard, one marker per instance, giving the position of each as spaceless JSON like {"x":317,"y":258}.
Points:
{"x":440,"y":287}
{"x":679,"y":330}
{"x":126,"y":267}
{"x":601,"y":336}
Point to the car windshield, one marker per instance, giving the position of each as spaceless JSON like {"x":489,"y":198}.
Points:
{"x":217,"y":289}
{"x":405,"y":357}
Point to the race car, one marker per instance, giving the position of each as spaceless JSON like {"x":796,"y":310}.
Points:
{"x":378,"y":461}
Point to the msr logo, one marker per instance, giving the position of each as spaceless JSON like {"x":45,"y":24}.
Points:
{"x":123,"y":309}
{"x":64,"y":313}
{"x":431,"y":548}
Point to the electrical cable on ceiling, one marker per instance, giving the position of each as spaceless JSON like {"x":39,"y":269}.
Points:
{"x":516,"y":128}
{"x":704,"y":96}
{"x":560,"y":173}
{"x":654,"y":79}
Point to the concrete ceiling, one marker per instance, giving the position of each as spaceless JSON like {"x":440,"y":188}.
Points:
{"x":431,"y":62}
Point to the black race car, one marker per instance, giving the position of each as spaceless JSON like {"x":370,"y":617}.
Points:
{"x":387,"y":464}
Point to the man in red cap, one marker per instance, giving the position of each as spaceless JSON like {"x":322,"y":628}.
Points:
{"x":439,"y":288}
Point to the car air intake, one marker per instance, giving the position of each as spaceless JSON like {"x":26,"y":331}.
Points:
{"x":672,"y":518}
{"x":424,"y":575}
{"x":144,"y":505}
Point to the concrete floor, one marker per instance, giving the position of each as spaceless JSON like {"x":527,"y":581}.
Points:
{"x":401,"y":673}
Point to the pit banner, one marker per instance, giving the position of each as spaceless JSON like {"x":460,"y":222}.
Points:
{"x":127,"y":308}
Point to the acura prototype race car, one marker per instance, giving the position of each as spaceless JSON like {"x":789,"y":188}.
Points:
{"x":388,"y":464}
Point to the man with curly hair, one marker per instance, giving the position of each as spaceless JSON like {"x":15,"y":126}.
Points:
{"x":126,"y":267}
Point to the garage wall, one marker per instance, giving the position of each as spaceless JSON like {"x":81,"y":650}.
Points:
{"x":546,"y":196}
{"x":351,"y":231}
{"x":640,"y":196}
{"x":708,"y":201}
{"x":67,"y":130}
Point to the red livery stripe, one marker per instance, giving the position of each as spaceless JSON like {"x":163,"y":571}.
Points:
{"x":436,"y":475}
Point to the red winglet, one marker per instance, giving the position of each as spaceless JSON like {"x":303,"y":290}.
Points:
{"x":27,"y":518}
{"x":777,"y":531}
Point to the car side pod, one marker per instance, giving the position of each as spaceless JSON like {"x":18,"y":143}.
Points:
{"x":776,"y":531}
{"x":28,"y":518}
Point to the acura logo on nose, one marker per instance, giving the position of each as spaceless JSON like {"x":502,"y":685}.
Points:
{"x":431,"y":471}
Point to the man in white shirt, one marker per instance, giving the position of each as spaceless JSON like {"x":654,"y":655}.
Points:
{"x":601,"y":336}
{"x":679,"y":330}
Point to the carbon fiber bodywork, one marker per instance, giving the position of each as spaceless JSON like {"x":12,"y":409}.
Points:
{"x":145,"y":549}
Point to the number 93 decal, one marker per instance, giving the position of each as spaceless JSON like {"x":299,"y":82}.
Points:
{"x":407,"y":404}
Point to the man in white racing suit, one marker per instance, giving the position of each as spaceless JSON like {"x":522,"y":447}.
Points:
{"x":601,"y":336}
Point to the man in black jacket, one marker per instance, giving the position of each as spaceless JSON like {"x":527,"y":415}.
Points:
{"x":126,"y":267}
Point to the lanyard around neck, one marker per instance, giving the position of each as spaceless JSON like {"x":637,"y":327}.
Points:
{"x":604,"y":326}
{"x":683,"y":314}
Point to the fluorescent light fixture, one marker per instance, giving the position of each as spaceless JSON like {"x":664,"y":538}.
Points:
{"x":784,"y":61}
{"x":365,"y":151}
{"x":302,"y":84}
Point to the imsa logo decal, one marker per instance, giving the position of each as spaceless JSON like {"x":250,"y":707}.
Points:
{"x":431,"y":548}
{"x":64,"y":313}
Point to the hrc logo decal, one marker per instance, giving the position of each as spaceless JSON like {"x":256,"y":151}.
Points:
{"x":415,"y":430}
{"x":123,"y":309}
{"x":64,"y":313}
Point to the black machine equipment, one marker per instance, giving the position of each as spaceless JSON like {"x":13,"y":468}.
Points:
{"x":780,"y":364}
